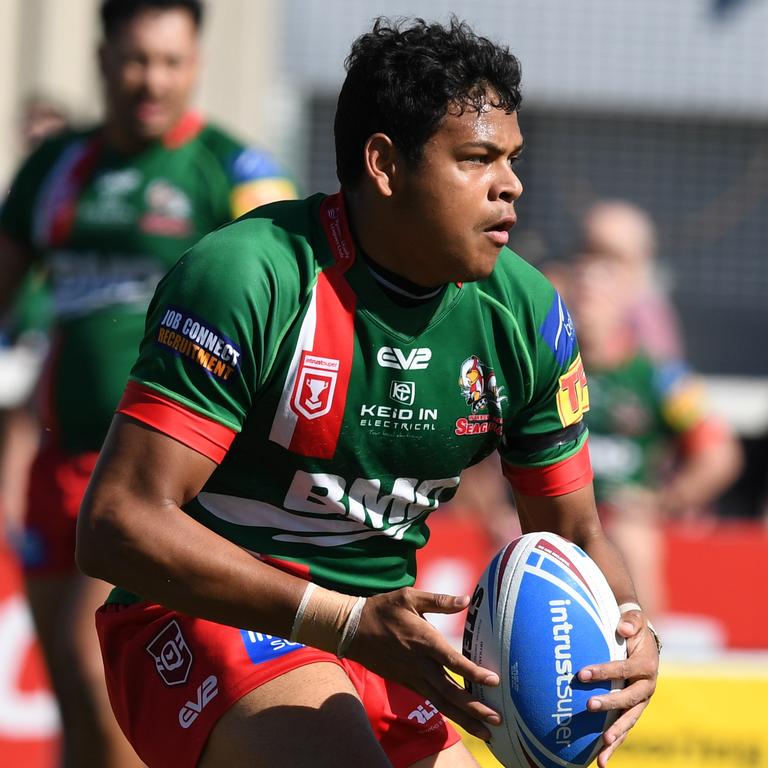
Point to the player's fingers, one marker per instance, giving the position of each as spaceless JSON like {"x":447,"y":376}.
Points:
{"x":434,"y":602}
{"x":447,"y":656}
{"x":623,"y":724}
{"x":624,"y":669}
{"x":614,"y":737}
{"x":625,"y":698}
{"x":457,"y":714}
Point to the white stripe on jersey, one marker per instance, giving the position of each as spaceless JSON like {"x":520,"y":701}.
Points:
{"x":285,"y":420}
{"x":57,"y":188}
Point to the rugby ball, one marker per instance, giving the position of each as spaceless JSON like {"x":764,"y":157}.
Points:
{"x":541,"y":611}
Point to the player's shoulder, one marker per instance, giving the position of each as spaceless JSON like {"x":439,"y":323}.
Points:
{"x":53,"y":148}
{"x":518,"y":285}
{"x":242,"y":161}
{"x":274,"y":243}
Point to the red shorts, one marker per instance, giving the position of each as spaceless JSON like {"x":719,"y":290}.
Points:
{"x":170,"y":678}
{"x":57,"y":485}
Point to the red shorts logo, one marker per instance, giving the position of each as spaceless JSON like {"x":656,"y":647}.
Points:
{"x":171,"y":653}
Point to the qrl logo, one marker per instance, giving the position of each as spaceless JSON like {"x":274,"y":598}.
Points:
{"x":172,"y":656}
{"x":315,"y":385}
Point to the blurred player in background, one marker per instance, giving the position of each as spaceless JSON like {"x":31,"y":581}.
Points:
{"x":657,"y":451}
{"x":374,"y":343}
{"x":626,"y":232}
{"x":23,"y":344}
{"x":106,"y":212}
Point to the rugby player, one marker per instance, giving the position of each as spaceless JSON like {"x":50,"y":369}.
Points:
{"x":106,"y":212}
{"x":658,"y":451}
{"x":296,"y":414}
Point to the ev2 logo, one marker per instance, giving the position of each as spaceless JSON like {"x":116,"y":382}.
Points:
{"x":205,"y":692}
{"x":415,"y":360}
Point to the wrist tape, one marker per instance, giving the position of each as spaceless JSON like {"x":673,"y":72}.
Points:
{"x":326,"y":619}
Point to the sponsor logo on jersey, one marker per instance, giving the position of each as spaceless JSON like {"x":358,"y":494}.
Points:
{"x":261,"y":647}
{"x":337,"y":511}
{"x":557,"y":331}
{"x":423,"y":713}
{"x":173,"y":659}
{"x":315,"y":385}
{"x":205,"y":693}
{"x":412,"y":360}
{"x":483,"y":395}
{"x":402,"y":392}
{"x":169,"y":210}
{"x":86,"y":281}
{"x":198,"y":341}
{"x":387,"y":418}
{"x":573,"y":396}
{"x":109,"y":206}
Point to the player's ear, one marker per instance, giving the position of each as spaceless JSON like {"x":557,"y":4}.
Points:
{"x":380,"y":162}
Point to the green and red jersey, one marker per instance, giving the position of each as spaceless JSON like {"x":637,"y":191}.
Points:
{"x":338,"y":418}
{"x":105,"y":226}
{"x":641,"y":414}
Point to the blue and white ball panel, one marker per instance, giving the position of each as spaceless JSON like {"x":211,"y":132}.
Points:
{"x":558,"y":713}
{"x":541,"y":611}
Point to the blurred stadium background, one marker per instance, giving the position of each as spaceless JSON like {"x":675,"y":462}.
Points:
{"x":663,"y":103}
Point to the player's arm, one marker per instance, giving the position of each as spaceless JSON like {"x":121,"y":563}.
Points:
{"x":133,"y":533}
{"x":15,"y":261}
{"x":573,"y":515}
{"x":710,"y":459}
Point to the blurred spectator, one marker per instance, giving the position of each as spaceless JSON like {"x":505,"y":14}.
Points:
{"x":625,"y":232}
{"x":105,"y":212}
{"x":657,"y":452}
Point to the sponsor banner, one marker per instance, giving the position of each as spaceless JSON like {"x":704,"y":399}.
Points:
{"x":706,"y":716}
{"x":29,"y":721}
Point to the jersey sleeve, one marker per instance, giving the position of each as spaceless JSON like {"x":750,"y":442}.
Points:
{"x":256,"y":179}
{"x":199,"y":362}
{"x":684,"y":407}
{"x":544,"y":447}
{"x":18,"y":209}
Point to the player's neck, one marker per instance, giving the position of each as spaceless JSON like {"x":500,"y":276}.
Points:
{"x":117,"y":138}
{"x":384,"y":243}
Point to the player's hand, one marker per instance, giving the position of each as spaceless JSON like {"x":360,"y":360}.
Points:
{"x":640,"y":670}
{"x":398,"y":643}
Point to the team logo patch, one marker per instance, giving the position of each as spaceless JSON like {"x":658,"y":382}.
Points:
{"x":557,"y":331}
{"x":173,"y":659}
{"x":186,"y":335}
{"x":315,"y":385}
{"x":573,"y":395}
{"x":483,"y":395}
{"x":169,"y":210}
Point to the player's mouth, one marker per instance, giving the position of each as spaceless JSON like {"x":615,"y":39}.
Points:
{"x":150,"y":111}
{"x":498,"y":232}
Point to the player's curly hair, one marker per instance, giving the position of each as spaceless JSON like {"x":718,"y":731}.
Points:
{"x":402,"y":78}
{"x":114,"y":13}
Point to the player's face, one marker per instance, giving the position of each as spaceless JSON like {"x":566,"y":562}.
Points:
{"x":459,"y":202}
{"x":150,"y":70}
